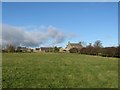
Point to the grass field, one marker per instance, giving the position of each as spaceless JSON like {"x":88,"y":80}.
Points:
{"x":58,"y":70}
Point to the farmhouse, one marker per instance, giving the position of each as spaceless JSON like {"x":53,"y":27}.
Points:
{"x":21,"y":49}
{"x":70,"y":46}
{"x":37,"y":50}
{"x":74,"y":45}
{"x":46,"y":49}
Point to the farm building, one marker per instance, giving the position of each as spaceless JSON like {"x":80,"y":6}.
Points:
{"x":21,"y":49}
{"x":74,"y":45}
{"x":36,"y":50}
{"x":77,"y":46}
{"x":46,"y":49}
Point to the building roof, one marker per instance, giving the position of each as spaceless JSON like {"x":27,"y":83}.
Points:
{"x":78,"y":45}
{"x":46,"y":48}
{"x":75,"y":44}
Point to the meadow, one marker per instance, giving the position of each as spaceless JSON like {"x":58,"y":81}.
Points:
{"x":58,"y":70}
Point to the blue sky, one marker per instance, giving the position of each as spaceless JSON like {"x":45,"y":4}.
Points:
{"x":83,"y":21}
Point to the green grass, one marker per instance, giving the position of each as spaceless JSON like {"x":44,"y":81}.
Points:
{"x":58,"y":70}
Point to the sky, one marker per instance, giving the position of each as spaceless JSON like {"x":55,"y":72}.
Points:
{"x":35,"y":24}
{"x":60,"y":1}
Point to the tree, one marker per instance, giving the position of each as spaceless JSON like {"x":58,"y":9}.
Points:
{"x":97,"y":47}
{"x":56,"y":49}
{"x":73,"y":50}
{"x":98,"y":44}
{"x":118,"y":51}
{"x":83,"y":50}
{"x":89,"y":49}
{"x":10,"y":48}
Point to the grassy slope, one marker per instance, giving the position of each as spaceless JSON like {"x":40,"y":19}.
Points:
{"x":36,"y":70}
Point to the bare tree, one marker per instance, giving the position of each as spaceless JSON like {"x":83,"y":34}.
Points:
{"x":10,"y":48}
{"x":98,"y":44}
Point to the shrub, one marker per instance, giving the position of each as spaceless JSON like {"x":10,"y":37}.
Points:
{"x":73,"y":50}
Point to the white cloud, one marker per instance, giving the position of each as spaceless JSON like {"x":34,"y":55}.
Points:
{"x":27,"y":37}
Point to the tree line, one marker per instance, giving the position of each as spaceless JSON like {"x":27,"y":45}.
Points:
{"x":12,"y":48}
{"x":95,"y":49}
{"x":98,"y":49}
